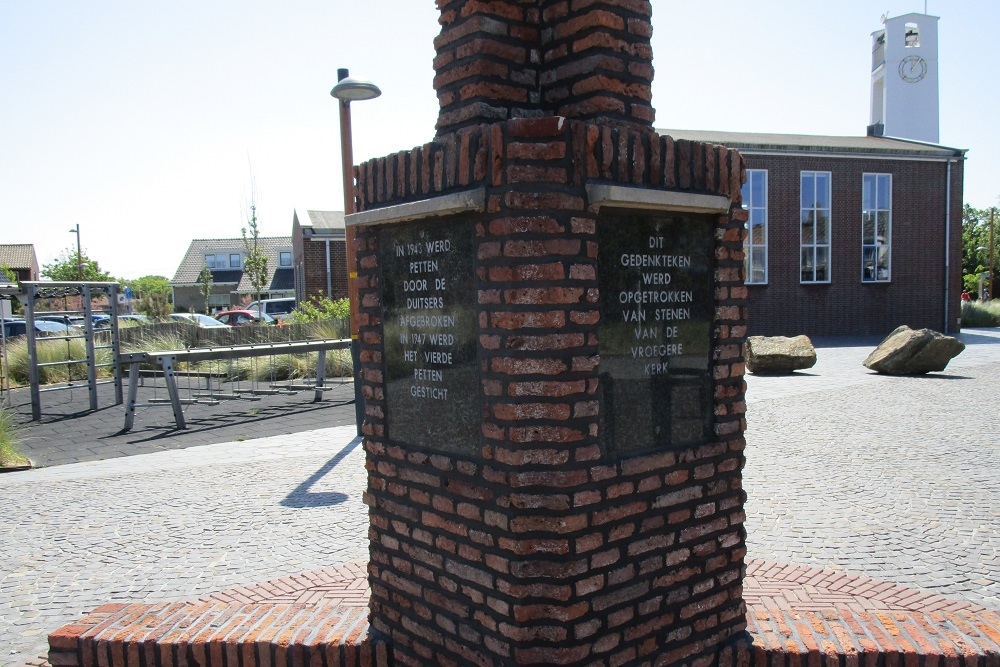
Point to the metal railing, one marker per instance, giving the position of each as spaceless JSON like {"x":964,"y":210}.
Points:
{"x":167,"y":361}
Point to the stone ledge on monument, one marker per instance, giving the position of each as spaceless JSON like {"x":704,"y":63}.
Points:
{"x":552,"y":151}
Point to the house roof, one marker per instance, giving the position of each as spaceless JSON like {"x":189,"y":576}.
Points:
{"x":749,"y":143}
{"x":321,"y":223}
{"x":194,"y":260}
{"x":18,"y":255}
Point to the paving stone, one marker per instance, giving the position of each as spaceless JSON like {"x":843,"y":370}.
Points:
{"x":892,"y":478}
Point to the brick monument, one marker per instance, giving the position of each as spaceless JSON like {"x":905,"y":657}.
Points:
{"x":552,"y":319}
{"x":552,"y":315}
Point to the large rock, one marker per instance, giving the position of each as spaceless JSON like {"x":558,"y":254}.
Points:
{"x":775,"y":355}
{"x":913,"y":352}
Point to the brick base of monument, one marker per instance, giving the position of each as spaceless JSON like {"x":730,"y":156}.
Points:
{"x":795,"y":616}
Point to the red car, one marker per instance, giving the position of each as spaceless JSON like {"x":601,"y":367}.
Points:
{"x":238,"y":318}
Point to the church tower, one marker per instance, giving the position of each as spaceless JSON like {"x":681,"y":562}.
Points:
{"x":904,"y":98}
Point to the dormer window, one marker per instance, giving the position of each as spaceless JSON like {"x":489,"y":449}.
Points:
{"x":911,"y":35}
{"x":219,"y":261}
{"x":284,"y":259}
{"x":234,"y":261}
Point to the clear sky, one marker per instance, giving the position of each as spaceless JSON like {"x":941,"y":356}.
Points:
{"x":140,"y":120}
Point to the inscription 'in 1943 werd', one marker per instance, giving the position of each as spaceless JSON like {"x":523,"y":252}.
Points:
{"x":656,"y":312}
{"x":429,"y":315}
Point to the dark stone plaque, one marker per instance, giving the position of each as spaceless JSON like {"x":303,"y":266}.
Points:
{"x":657,"y":305}
{"x":428,"y":299}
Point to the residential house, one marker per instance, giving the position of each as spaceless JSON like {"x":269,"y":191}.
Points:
{"x":20,"y":259}
{"x":319,"y":242}
{"x":231,"y":287}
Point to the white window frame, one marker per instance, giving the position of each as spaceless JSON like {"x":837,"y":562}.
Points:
{"x":815,"y":247}
{"x":281,"y":264}
{"x":757,"y":211}
{"x":210,"y":261}
{"x":870,"y":245}
{"x":238,"y":262}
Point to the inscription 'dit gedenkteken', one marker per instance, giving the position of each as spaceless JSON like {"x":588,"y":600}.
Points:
{"x":654,"y":334}
{"x":430,"y":352}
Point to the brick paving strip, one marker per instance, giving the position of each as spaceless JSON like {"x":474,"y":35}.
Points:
{"x":795,"y":615}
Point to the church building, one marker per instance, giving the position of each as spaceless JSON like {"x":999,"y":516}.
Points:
{"x":858,"y":235}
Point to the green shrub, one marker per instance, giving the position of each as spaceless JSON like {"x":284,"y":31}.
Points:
{"x":51,"y":350}
{"x":9,"y":456}
{"x":261,"y":369}
{"x":319,"y":309}
{"x":981,"y":314}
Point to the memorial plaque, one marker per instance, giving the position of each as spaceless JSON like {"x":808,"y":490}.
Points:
{"x":657,"y":306}
{"x":428,"y":299}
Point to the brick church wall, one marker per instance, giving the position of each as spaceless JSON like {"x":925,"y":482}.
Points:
{"x":914,"y":296}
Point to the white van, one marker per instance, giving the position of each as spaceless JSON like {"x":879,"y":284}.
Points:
{"x":276,"y":308}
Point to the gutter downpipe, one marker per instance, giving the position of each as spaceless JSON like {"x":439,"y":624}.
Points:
{"x":329,"y":279}
{"x":947,"y":246}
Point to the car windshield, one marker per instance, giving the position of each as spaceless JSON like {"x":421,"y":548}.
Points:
{"x":206,"y":321}
{"x":51,"y":327}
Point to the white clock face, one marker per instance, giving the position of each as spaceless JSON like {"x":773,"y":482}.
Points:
{"x":912,"y":69}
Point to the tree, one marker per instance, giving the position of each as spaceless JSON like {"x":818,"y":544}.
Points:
{"x":7,"y":274}
{"x":64,"y":268}
{"x":151,"y":295}
{"x":205,"y":285}
{"x":148,"y":286}
{"x":975,"y":235}
{"x":255,"y":263}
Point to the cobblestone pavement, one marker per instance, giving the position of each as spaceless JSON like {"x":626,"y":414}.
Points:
{"x":896,"y":478}
{"x":893,"y":478}
{"x":171,"y":526}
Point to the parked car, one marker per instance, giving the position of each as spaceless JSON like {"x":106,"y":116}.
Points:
{"x":279,"y":309}
{"x":99,"y":321}
{"x":61,"y":319}
{"x":137,"y":319}
{"x":50,"y":328}
{"x":198,"y":320}
{"x":123,"y":320}
{"x":237,"y":318}
{"x":19,"y":327}
{"x":14,"y":327}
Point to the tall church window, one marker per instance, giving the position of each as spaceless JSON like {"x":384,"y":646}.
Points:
{"x":876,"y":227}
{"x":755,"y":246}
{"x":814,"y":225}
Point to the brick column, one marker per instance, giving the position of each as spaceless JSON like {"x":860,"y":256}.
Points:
{"x":534,"y":545}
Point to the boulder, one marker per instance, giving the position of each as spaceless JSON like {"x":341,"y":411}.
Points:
{"x":776,"y":355}
{"x":913,"y":352}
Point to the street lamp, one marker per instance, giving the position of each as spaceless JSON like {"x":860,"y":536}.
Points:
{"x":79,"y":255}
{"x":346,"y":91}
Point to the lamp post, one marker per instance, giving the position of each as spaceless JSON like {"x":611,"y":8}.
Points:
{"x":346,"y":91}
{"x":79,"y":255}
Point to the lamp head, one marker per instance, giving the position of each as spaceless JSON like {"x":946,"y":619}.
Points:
{"x":350,"y":90}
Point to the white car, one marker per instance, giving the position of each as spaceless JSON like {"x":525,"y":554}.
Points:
{"x":199,"y":320}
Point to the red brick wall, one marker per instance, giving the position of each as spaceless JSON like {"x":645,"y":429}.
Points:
{"x":506,"y":59}
{"x":314,"y":268}
{"x":539,"y":549}
{"x":846,"y":305}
